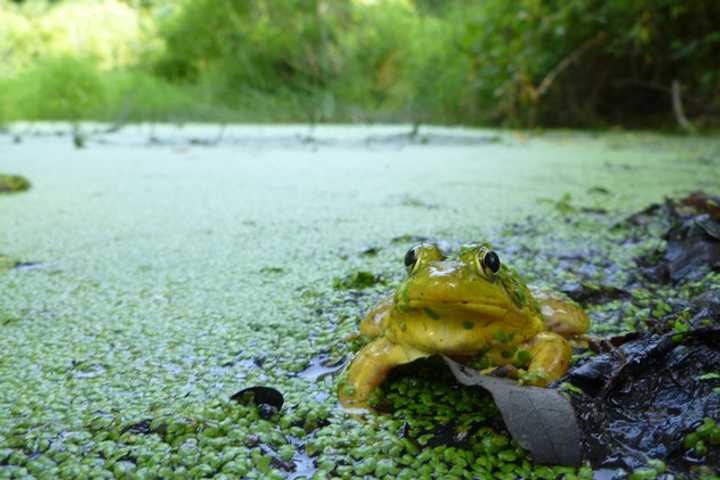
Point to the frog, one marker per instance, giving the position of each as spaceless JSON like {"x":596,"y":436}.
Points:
{"x":467,"y":306}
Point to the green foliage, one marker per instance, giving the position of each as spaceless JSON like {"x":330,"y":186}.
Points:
{"x":587,"y":61}
{"x":138,"y":96}
{"x":522,"y":63}
{"x":63,"y":88}
{"x":259,"y":43}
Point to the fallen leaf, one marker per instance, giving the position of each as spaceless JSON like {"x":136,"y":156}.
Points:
{"x":268,"y":400}
{"x":541,"y":420}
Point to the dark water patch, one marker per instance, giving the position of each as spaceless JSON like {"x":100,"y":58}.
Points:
{"x":311,"y":140}
{"x":8,"y":263}
{"x":599,"y":190}
{"x":370,"y":251}
{"x":303,"y":465}
{"x":143,"y":427}
{"x":322,"y":366}
{"x":434,"y":139}
{"x":298,"y":465}
{"x":27,"y":266}
{"x":416,"y":202}
{"x":272,"y":270}
{"x":450,"y":434}
{"x":83,"y":369}
{"x":410,"y":238}
{"x":244,"y":363}
{"x":587,"y":293}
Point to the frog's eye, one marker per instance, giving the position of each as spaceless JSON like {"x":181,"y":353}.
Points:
{"x":491,"y":261}
{"x":411,"y":258}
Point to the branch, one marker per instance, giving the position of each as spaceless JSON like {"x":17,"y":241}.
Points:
{"x":678,"y":108}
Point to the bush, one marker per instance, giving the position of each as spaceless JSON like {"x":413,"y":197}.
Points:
{"x":590,"y":62}
{"x":64,"y":88}
{"x":522,"y":63}
{"x":261,"y":44}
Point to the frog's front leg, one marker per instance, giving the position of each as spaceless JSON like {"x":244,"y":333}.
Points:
{"x":370,"y":368}
{"x":550,"y":357}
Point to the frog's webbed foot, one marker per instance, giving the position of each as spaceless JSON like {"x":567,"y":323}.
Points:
{"x":550,"y":356}
{"x":560,"y":315}
{"x":370,"y":368}
{"x":503,"y":371}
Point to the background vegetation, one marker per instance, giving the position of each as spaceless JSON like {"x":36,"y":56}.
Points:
{"x":586,"y":63}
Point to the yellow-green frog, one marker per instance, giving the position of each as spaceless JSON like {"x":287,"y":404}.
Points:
{"x":469,"y":306}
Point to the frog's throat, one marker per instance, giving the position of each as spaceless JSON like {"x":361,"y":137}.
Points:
{"x":492,"y":310}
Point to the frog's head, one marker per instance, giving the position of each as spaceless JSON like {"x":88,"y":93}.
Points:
{"x":474,"y":283}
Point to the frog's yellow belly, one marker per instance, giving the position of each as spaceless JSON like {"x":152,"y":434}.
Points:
{"x":459,"y":334}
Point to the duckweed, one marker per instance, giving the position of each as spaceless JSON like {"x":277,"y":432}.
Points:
{"x":357,"y":280}
{"x":707,"y":434}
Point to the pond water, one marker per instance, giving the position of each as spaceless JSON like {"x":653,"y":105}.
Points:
{"x":173,"y":256}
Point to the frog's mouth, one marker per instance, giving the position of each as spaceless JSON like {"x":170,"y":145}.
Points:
{"x":455,"y":292}
{"x":471,"y":309}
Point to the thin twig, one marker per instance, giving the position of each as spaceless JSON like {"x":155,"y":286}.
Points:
{"x":678,"y":108}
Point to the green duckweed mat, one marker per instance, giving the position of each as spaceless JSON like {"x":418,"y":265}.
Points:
{"x":170,"y":272}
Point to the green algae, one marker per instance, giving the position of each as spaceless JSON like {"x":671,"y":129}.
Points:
{"x":13,"y":184}
{"x":121,"y":360}
{"x":6,"y":263}
{"x":357,"y":281}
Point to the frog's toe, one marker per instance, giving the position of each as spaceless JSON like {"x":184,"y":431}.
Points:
{"x":504,"y":371}
{"x":550,"y":358}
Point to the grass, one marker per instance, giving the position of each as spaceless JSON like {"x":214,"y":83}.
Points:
{"x":72,"y":89}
